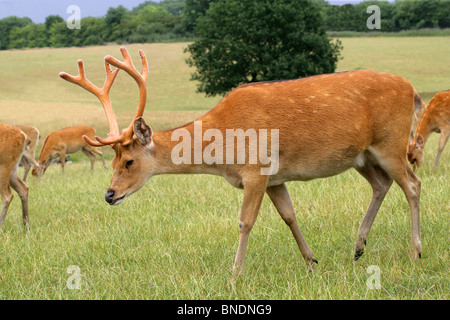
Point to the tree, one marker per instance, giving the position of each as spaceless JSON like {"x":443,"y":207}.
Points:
{"x":28,"y":36}
{"x":49,"y":20}
{"x":422,"y":14}
{"x":175,"y":7}
{"x":193,"y":9}
{"x":151,"y":20}
{"x":260,"y":40}
{"x":6,"y":25}
{"x":116,"y":19}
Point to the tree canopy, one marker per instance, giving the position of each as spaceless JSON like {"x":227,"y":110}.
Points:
{"x":260,"y":40}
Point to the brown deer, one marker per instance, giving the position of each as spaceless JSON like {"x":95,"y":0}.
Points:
{"x":13,"y":142}
{"x":436,"y":118}
{"x":417,"y":117}
{"x":29,"y":158}
{"x":65,"y":141}
{"x":326,"y":124}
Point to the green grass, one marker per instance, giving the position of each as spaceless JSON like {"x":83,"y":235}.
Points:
{"x":177,"y":237}
{"x":172,"y":242}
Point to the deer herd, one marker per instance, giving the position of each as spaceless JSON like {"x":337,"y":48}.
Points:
{"x":370,"y":121}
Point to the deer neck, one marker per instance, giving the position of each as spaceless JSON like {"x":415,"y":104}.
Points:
{"x":426,"y":126}
{"x":45,"y":152}
{"x":166,"y":151}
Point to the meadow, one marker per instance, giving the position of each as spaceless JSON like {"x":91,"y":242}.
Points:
{"x":177,"y":237}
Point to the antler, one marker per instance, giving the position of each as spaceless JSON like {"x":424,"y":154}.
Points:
{"x":126,"y":137}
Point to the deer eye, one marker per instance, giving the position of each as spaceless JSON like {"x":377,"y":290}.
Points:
{"x":129,"y":163}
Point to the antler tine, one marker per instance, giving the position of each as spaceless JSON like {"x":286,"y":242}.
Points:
{"x":140,"y":78}
{"x":102,"y":94}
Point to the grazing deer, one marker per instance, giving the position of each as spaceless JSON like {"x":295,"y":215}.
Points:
{"x":29,"y":158}
{"x":436,"y":118}
{"x":417,"y":117}
{"x":326,"y":124}
{"x":65,"y":141}
{"x":13,"y":142}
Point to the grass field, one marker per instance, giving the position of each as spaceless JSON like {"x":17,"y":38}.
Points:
{"x":176,"y":238}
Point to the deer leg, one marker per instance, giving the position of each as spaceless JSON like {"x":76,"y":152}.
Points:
{"x":90,"y":156}
{"x":62,"y":156}
{"x":26,"y":166}
{"x":22,"y":190}
{"x":100,"y":153}
{"x":380,"y":182}
{"x":7,"y":197}
{"x":253,"y":195}
{"x":282,"y":202}
{"x":442,"y":142}
{"x":403,"y":175}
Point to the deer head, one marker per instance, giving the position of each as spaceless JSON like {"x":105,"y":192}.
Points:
{"x":132,"y":163}
{"x":416,"y":151}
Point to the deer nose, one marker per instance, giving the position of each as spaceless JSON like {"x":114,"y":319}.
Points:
{"x":109,"y":195}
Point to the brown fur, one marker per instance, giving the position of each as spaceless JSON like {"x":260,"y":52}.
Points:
{"x":12,"y":145}
{"x":29,"y":158}
{"x":66,"y":141}
{"x":327,"y":124}
{"x":436,"y":118}
{"x":420,"y":107}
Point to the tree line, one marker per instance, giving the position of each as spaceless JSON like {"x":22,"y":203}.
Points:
{"x":395,"y":16}
{"x":178,"y":19}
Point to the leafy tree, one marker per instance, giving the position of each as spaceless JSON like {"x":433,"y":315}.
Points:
{"x":259,"y":40}
{"x":117,"y":20}
{"x":193,"y":9}
{"x":28,"y":36}
{"x":61,"y":36}
{"x":91,"y":32}
{"x":422,"y":14}
{"x":174,"y":7}
{"x":6,"y":25}
{"x":49,"y":20}
{"x":151,"y":20}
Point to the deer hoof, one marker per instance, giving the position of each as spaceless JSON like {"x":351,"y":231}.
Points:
{"x":358,"y":255}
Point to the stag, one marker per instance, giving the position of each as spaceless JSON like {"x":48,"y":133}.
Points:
{"x":436,"y":118}
{"x":13,"y":143}
{"x":29,"y":158}
{"x":326,"y":124}
{"x":65,"y":141}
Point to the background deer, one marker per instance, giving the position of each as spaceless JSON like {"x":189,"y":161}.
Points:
{"x":29,"y":157}
{"x":13,"y":142}
{"x":436,"y":118}
{"x":327,"y":124}
{"x":417,"y":117}
{"x":65,"y":141}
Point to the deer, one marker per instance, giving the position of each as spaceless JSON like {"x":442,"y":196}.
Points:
{"x":13,"y":143}
{"x":29,"y":158}
{"x":436,"y":118}
{"x":417,"y":117}
{"x":326,"y":125}
{"x":66,"y":141}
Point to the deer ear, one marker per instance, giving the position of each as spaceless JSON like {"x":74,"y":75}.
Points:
{"x":419,"y":141}
{"x":142,"y":131}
